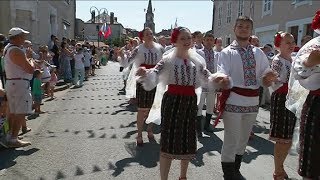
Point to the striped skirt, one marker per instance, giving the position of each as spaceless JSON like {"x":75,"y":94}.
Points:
{"x":309,"y":161}
{"x":144,"y":98}
{"x":178,"y":122}
{"x":282,"y":120}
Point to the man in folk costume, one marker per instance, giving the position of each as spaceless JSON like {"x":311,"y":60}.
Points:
{"x":207,"y":96}
{"x":147,"y":55}
{"x":248,"y":67}
{"x":306,"y":68}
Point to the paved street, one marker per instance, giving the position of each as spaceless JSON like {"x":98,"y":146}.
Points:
{"x":89,"y":133}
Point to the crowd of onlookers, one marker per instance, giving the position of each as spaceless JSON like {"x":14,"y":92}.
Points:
{"x":36,"y":71}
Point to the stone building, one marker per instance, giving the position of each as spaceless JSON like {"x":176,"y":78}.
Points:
{"x":41,"y":18}
{"x":269,"y":16}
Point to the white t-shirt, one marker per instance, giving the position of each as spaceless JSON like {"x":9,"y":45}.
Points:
{"x":79,"y":58}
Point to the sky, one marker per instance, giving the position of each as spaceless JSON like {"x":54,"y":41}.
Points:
{"x":195,"y":15}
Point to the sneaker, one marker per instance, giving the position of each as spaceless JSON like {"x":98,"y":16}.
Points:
{"x":18,"y":144}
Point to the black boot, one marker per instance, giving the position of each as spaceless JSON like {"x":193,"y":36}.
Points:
{"x":207,"y":126}
{"x":199,"y":126}
{"x":238,"y":161}
{"x":228,"y":169}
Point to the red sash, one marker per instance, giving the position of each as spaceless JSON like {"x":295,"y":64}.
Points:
{"x":315,"y":92}
{"x":283,"y":89}
{"x":147,"y":66}
{"x":225,"y":95}
{"x":181,"y":90}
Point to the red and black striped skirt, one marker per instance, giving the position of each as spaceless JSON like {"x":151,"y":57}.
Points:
{"x":282,"y":120}
{"x":309,"y":160}
{"x":144,"y":98}
{"x":178,"y":122}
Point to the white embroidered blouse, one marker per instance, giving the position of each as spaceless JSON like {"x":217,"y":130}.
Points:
{"x":282,"y":67}
{"x":309,"y":77}
{"x":143,"y":55}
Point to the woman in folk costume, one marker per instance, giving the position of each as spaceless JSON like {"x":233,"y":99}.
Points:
{"x":147,"y":55}
{"x":282,"y":120}
{"x":177,"y":76}
{"x":306,"y":69}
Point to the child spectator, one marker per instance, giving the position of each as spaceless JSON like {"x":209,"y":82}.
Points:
{"x":52,"y":83}
{"x":79,"y":67}
{"x":37,"y":91}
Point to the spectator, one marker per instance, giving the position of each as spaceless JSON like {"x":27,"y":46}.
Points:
{"x":56,"y":52}
{"x":162,"y":41}
{"x":53,"y":81}
{"x":2,"y":73}
{"x":66,"y":57}
{"x":51,"y":42}
{"x":254,"y":40}
{"x":87,"y":58}
{"x":27,"y":44}
{"x":79,"y":68}
{"x":37,"y":91}
{"x":19,"y":72}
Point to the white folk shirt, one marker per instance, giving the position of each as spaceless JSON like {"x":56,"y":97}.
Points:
{"x":245,"y":67}
{"x":309,"y":77}
{"x":143,"y":55}
{"x":283,"y":68}
{"x":211,"y":62}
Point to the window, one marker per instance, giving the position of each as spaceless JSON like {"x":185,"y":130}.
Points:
{"x":301,"y":2}
{"x":267,"y":7}
{"x":219,"y":16}
{"x":229,"y":12}
{"x":309,"y":31}
{"x":67,"y":1}
{"x":228,"y":41}
{"x":240,"y":9}
{"x":294,"y":31}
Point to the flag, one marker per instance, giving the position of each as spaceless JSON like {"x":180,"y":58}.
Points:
{"x":105,"y":31}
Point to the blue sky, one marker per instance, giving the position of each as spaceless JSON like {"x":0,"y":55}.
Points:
{"x":196,"y":15}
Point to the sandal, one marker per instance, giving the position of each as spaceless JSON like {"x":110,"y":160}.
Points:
{"x":139,"y":141}
{"x":182,"y":178}
{"x":281,"y":176}
{"x":25,"y":130}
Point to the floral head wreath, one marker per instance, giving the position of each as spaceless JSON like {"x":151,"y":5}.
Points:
{"x":316,"y":21}
{"x":175,"y":33}
{"x":277,"y":39}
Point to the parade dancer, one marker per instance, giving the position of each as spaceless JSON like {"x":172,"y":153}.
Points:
{"x":306,"y":68}
{"x":282,"y":120}
{"x":147,"y":55}
{"x":197,"y":39}
{"x":207,"y":96}
{"x":247,"y":66}
{"x":180,"y":71}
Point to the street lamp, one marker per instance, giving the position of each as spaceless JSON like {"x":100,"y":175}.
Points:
{"x":93,"y":17}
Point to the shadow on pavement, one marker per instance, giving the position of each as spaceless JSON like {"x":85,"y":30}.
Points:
{"x":147,"y":156}
{"x":260,"y":129}
{"x":8,"y":156}
{"x":211,"y":143}
{"x":262,"y":147}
